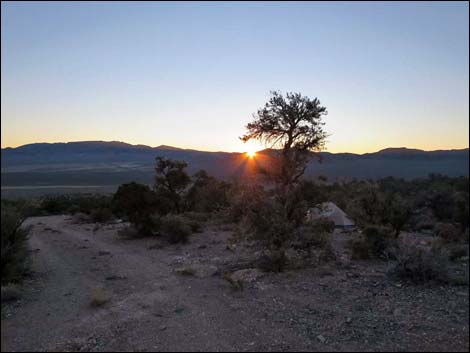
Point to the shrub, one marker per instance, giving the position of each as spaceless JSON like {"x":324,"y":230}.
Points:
{"x":207,"y":194}
{"x":14,"y":252}
{"x":10,"y":293}
{"x":457,"y":251}
{"x":99,"y":297}
{"x":360,"y":250}
{"x":66,"y":204}
{"x":375,"y":242}
{"x":420,"y":265}
{"x":322,"y":225}
{"x":139,"y":204}
{"x":101,"y":215}
{"x":316,"y":233}
{"x":379,"y":240}
{"x":175,"y":228}
{"x":448,"y":232}
{"x":186,"y":271}
{"x":272,"y":261}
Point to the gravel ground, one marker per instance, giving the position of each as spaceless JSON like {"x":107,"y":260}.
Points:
{"x":153,"y":307}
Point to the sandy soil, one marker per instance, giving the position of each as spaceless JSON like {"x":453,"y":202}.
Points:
{"x":351,"y":307}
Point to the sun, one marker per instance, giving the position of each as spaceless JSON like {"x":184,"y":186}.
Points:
{"x":250,"y":151}
{"x":251,"y":154}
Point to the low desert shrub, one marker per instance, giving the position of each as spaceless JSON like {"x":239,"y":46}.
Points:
{"x":375,"y":242}
{"x":457,"y":251}
{"x":14,"y":252}
{"x":322,"y":225}
{"x":175,"y":228}
{"x":100,"y":297}
{"x":186,"y":271}
{"x":139,"y":204}
{"x":101,"y":215}
{"x":420,"y":265}
{"x":10,"y":292}
{"x":272,"y":261}
{"x":448,"y":232}
{"x":360,"y":249}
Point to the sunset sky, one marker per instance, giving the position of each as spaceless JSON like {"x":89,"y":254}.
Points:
{"x":191,"y":74}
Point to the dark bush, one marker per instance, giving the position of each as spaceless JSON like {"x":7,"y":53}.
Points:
{"x":14,"y":252}
{"x":175,"y":228}
{"x":421,"y":265}
{"x":360,"y":250}
{"x":139,"y":204}
{"x":375,"y":242}
{"x":272,"y":261}
{"x":101,"y":215}
{"x":448,"y":232}
{"x":207,"y":194}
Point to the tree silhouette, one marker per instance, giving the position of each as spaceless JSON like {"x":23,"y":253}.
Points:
{"x":293,"y":126}
{"x":171,"y":181}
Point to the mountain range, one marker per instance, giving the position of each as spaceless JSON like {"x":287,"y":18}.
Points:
{"x":113,"y":163}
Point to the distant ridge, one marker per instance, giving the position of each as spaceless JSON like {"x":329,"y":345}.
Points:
{"x":115,"y":162}
{"x":98,"y":143}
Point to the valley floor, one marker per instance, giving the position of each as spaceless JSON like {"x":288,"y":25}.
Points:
{"x":351,"y":307}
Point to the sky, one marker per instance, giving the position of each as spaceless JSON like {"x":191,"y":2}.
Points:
{"x":192,"y":74}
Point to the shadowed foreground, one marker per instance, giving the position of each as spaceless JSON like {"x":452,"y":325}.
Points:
{"x":152,"y":307}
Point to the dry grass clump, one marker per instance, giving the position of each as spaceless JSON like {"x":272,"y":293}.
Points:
{"x":99,"y":297}
{"x":175,"y":228}
{"x":186,"y":271}
{"x":10,"y":292}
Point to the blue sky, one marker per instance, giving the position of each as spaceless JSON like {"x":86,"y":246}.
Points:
{"x":192,"y":74}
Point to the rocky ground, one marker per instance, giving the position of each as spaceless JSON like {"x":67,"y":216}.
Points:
{"x":161,"y":297}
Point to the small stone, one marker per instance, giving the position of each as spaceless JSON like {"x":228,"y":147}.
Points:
{"x":162,"y":328}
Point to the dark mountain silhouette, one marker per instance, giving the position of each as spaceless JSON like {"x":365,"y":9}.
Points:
{"x":112,"y":163}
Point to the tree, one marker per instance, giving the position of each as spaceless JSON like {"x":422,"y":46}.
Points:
{"x":171,"y":181}
{"x":398,"y":212}
{"x":139,"y":203}
{"x":206,"y":193}
{"x":293,"y":126}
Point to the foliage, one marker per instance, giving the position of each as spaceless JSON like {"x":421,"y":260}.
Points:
{"x":420,"y":265}
{"x":367,"y":206}
{"x":84,"y":203}
{"x":272,"y":261}
{"x":448,"y":232}
{"x":376,"y":242}
{"x":207,"y":194}
{"x":175,"y":228}
{"x":14,"y":252}
{"x":292,"y":124}
{"x":139,"y":204}
{"x":171,"y":182}
{"x":265,"y":221}
{"x":397,"y":213}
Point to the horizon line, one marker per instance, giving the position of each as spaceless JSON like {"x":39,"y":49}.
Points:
{"x":220,"y":151}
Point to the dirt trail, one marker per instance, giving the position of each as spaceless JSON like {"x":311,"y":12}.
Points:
{"x":153,"y":308}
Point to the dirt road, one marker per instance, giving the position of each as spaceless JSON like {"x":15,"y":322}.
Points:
{"x":153,"y":308}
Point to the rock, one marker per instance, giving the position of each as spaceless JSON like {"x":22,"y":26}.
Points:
{"x":162,"y":328}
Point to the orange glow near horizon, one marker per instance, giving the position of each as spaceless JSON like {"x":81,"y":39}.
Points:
{"x":251,"y":154}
